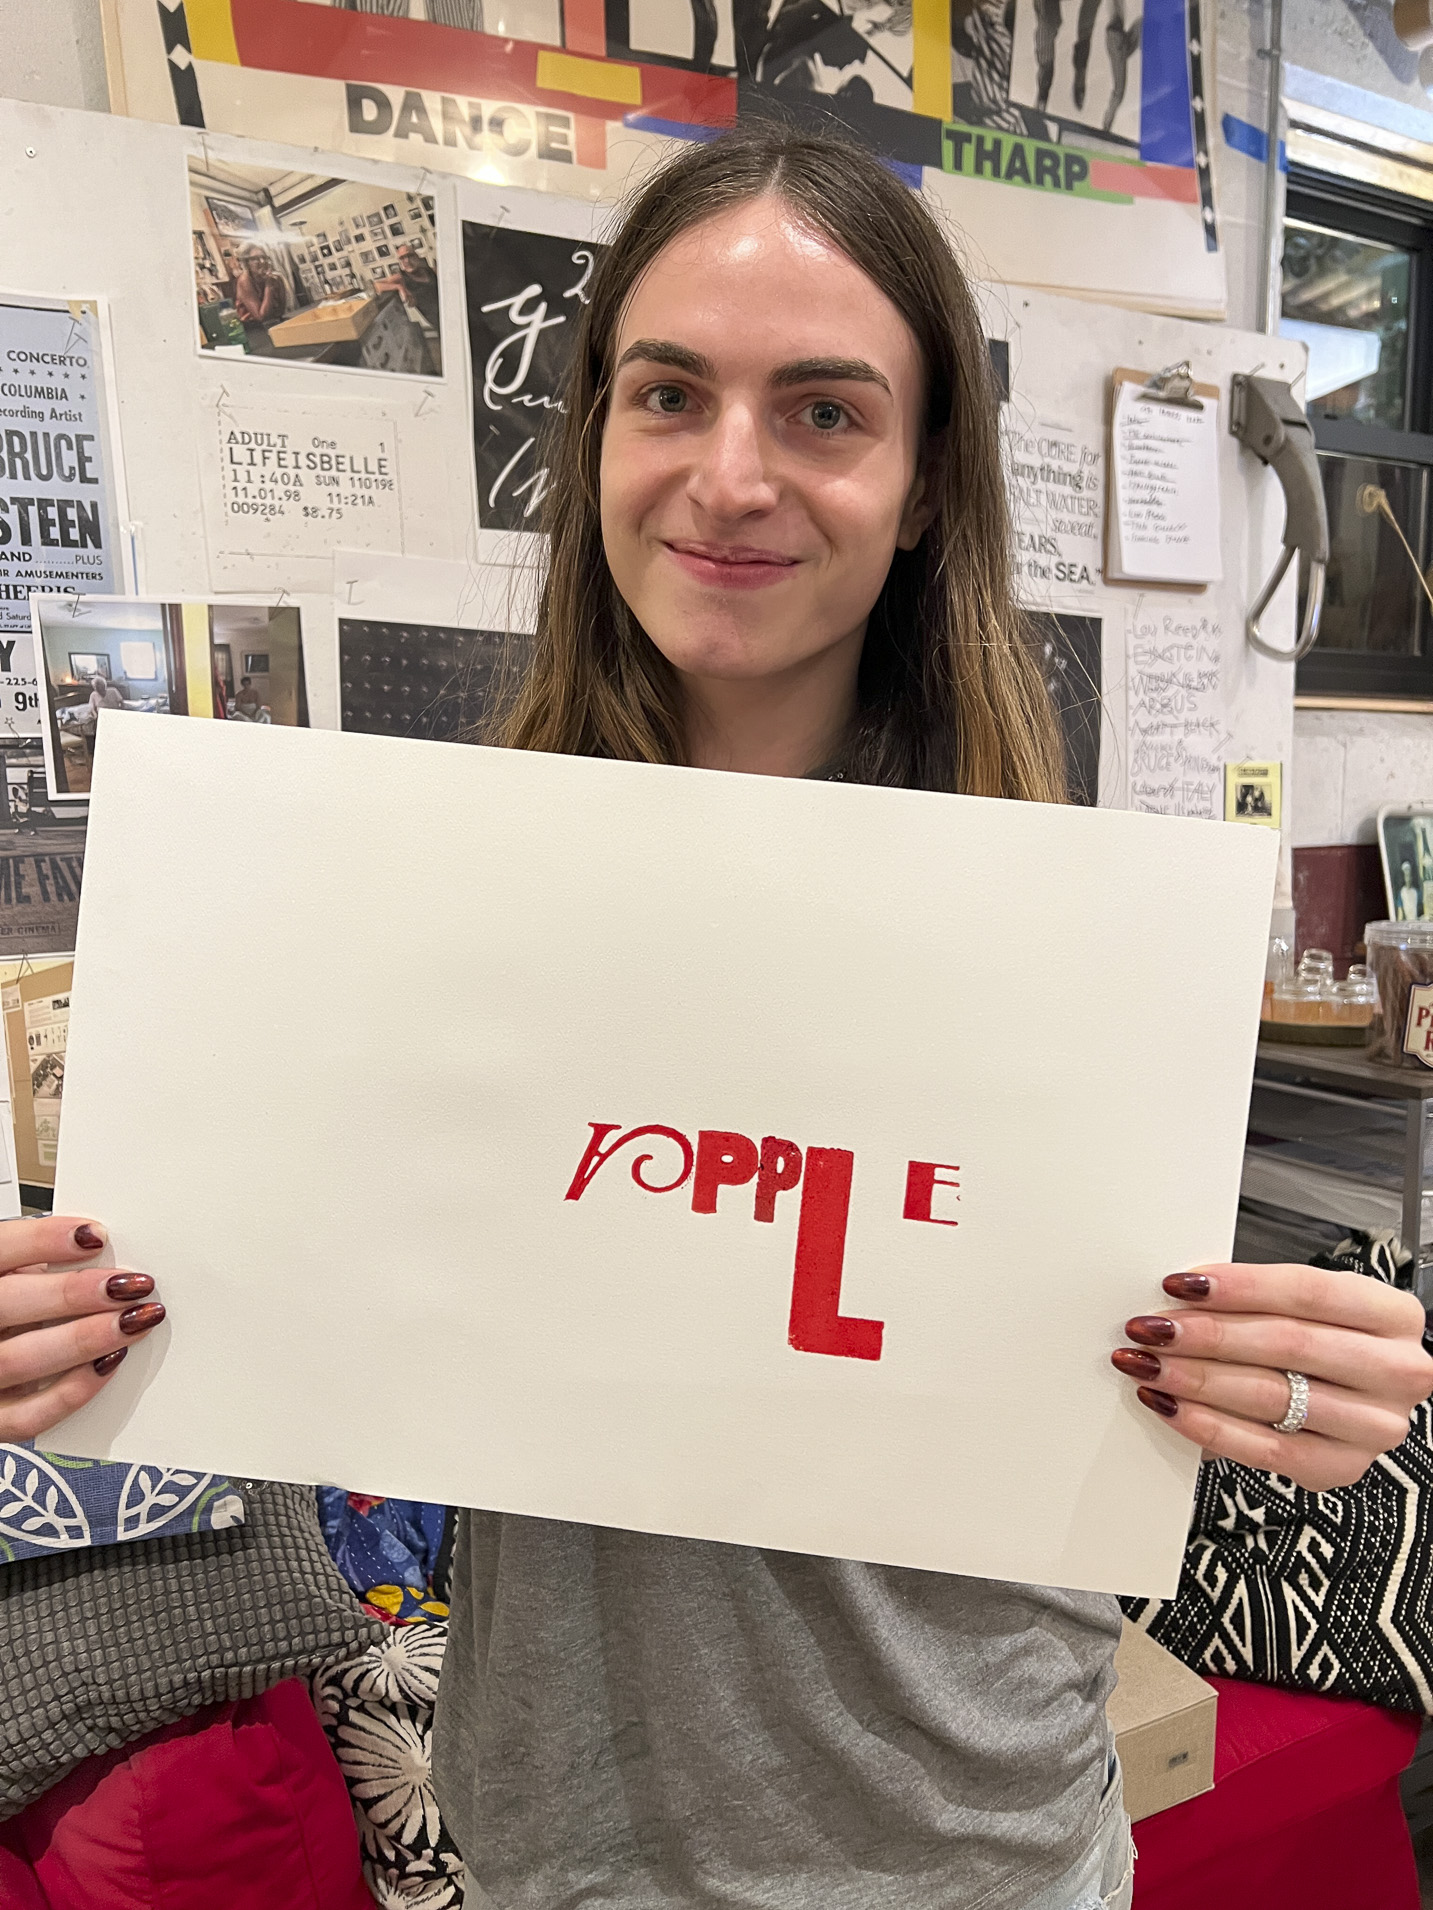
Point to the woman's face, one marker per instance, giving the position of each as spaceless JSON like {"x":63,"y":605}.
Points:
{"x":759,"y":459}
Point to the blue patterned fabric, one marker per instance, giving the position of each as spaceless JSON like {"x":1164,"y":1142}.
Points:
{"x":387,"y":1549}
{"x":52,"y":1503}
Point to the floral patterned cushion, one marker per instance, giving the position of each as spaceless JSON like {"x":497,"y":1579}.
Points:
{"x":51,"y":1503}
{"x":378,"y":1712}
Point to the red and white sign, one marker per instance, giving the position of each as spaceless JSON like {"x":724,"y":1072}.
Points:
{"x":1418,"y":1031}
{"x":759,"y":1160}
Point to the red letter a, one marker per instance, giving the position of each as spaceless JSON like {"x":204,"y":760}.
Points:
{"x":817,"y":1322}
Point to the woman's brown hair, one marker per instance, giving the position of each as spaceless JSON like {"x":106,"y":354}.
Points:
{"x":950,"y":694}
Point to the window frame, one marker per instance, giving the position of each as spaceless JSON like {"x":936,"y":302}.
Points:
{"x":1387,"y":218}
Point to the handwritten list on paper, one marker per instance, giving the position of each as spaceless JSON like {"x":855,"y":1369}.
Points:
{"x":1175,"y":722}
{"x":1056,"y":482}
{"x":1166,"y":491}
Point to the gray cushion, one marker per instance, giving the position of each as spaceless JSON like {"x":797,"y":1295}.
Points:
{"x":99,"y":1647}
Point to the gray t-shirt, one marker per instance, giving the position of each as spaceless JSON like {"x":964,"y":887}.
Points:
{"x":636,"y":1723}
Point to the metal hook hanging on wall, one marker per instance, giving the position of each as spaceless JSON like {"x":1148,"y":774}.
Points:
{"x":1265,"y":416}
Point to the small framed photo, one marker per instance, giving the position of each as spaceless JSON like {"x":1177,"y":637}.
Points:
{"x":1405,"y":848}
{"x":1253,"y":793}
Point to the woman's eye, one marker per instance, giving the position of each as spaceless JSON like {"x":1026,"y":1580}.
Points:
{"x":666,"y":398}
{"x":826,"y":415}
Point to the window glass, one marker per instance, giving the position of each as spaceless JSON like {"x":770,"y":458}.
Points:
{"x":1347,"y":300}
{"x":1372,"y":600}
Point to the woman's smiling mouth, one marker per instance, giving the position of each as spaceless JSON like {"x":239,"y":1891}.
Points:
{"x":731,"y":566}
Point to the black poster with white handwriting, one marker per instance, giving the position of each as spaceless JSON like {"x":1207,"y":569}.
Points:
{"x":1069,"y":652}
{"x":525,"y":293}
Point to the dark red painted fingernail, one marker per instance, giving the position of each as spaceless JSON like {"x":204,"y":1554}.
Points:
{"x":1165,"y":1404}
{"x":1186,"y":1286}
{"x":139,"y":1319}
{"x":88,"y":1238}
{"x":1137,"y":1365}
{"x":107,"y":1365}
{"x":129,"y":1286}
{"x":1149,"y":1329}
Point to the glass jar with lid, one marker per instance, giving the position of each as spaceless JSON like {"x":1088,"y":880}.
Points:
{"x":1401,"y":957}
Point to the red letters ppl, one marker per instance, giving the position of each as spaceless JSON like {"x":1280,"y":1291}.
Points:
{"x":723,"y":1159}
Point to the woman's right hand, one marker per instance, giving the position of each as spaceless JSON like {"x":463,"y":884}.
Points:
{"x":62,"y":1333}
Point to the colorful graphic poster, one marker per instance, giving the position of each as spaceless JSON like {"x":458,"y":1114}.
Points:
{"x":525,"y":291}
{"x":58,"y":520}
{"x":1066,"y":137}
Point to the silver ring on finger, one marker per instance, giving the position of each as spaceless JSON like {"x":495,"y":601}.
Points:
{"x":1298,"y":1412}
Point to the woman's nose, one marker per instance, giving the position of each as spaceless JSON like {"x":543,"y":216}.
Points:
{"x":733,"y":473}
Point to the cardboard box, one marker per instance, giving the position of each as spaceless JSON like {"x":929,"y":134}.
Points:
{"x":1163,"y":1716}
{"x":336,"y":321}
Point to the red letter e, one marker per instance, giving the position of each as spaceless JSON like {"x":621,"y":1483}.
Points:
{"x":922,"y":1179}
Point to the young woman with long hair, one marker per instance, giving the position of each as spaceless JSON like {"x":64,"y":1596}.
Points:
{"x":780,"y":546}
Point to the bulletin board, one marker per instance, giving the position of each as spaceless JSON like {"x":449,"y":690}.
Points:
{"x":1182,"y":691}
{"x":444,"y":445}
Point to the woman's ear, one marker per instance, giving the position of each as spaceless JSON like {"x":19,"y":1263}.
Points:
{"x":916,"y":513}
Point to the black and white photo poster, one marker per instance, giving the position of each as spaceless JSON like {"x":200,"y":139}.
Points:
{"x":525,"y":293}
{"x":58,"y":519}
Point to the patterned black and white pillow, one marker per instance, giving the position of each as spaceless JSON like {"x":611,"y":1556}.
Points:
{"x":378,"y":1712}
{"x":1315,"y":1591}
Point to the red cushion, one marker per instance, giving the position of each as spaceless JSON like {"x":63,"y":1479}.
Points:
{"x":240,"y":1805}
{"x":1305,"y":1802}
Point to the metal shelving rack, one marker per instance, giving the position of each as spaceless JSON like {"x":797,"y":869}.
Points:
{"x":1338,"y":1141}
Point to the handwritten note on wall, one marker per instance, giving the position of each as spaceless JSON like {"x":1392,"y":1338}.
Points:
{"x":1056,"y":482}
{"x":1166,"y":490}
{"x":1175,"y":725}
{"x":297,"y":483}
{"x":525,"y":293}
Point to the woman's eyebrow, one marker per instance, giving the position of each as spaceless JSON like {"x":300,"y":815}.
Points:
{"x":805,"y":371}
{"x":661,"y":351}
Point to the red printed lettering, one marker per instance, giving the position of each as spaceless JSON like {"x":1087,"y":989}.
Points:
{"x":817,"y":1322}
{"x":723,"y":1160}
{"x":922,"y":1179}
{"x":596,"y":1154}
{"x":780,"y":1169}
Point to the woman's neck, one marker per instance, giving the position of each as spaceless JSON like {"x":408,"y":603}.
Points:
{"x":783,"y":725}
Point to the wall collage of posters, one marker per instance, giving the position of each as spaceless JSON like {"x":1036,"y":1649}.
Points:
{"x":1074,"y":122}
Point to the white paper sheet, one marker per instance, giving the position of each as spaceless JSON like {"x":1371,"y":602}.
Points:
{"x":1056,"y":480}
{"x":1166,"y":487}
{"x":296,"y":480}
{"x":499,"y":591}
{"x":1177,"y":731}
{"x":334,"y":1086}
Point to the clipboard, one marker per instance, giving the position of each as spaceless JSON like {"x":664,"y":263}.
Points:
{"x":1174,"y":385}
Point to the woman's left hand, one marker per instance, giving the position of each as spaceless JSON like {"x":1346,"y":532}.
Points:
{"x":1216,"y":1367}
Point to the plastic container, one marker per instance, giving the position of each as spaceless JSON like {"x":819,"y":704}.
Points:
{"x":1401,"y":957}
{"x":1278,"y":965}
